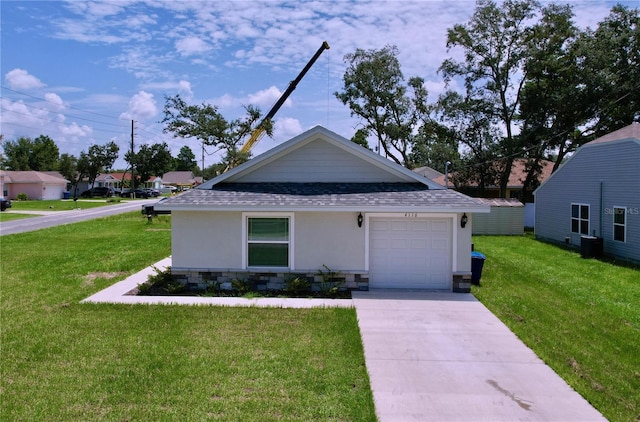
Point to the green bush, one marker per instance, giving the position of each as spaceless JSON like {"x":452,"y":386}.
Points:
{"x":297,"y":285}
{"x":22,"y":197}
{"x":331,"y":283}
{"x":242,"y":286}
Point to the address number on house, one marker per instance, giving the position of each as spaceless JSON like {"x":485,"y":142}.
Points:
{"x":411,"y":214}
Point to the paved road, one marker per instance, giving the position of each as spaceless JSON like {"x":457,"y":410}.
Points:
{"x":66,"y":217}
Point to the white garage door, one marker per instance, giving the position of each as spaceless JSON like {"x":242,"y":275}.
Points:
{"x":410,"y":253}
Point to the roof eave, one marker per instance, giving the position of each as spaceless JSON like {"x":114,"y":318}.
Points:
{"x":349,"y":208}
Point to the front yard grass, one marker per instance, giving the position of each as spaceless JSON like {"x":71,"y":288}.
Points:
{"x":582,"y":317}
{"x":61,"y":204}
{"x":62,"y":360}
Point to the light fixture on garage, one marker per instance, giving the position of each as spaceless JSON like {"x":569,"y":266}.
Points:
{"x":463,"y":220}
{"x":360,"y":220}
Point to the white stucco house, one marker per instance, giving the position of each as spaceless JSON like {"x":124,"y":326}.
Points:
{"x":321,"y":200}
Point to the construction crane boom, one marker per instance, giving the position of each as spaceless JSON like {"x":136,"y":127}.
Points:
{"x":259,"y":130}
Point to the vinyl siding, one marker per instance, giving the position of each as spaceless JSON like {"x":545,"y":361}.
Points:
{"x":319,"y":161}
{"x":603,"y":176}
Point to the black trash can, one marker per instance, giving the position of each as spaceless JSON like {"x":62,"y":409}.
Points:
{"x":591,"y":247}
{"x":477,"y":262}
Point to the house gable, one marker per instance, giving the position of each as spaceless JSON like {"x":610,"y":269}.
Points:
{"x":320,"y":156}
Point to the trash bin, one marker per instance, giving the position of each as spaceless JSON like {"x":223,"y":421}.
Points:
{"x":66,"y":195}
{"x":477,"y":262}
{"x":590,"y":247}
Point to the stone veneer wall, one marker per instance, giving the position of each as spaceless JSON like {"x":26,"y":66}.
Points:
{"x":261,"y":281}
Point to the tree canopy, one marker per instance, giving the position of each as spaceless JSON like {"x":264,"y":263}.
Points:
{"x":205,"y":123}
{"x":40,"y":154}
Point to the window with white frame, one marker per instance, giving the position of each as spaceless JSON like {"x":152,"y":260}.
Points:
{"x":268,"y":241}
{"x":619,"y":223}
{"x":580,"y":218}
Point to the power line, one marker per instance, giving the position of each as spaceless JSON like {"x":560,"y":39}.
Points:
{"x":58,"y":104}
{"x":46,"y":120}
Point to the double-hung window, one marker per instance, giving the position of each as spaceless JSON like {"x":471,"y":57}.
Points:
{"x":580,"y":218}
{"x":619,"y":223}
{"x":268,"y":241}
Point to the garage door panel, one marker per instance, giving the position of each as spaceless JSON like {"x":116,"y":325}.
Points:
{"x":410,"y":253}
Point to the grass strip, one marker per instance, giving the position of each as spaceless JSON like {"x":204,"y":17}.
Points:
{"x":61,"y":360}
{"x":581,"y":316}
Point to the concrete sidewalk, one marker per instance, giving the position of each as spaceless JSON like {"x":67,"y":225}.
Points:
{"x":435,"y":356}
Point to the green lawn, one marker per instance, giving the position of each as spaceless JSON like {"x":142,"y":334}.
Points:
{"x":61,"y":360}
{"x":6,"y":216}
{"x":582,"y":317}
{"x":60,"y":204}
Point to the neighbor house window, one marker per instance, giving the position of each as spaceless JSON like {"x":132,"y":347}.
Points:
{"x":619,"y":223}
{"x":268,"y":241}
{"x":580,"y":218}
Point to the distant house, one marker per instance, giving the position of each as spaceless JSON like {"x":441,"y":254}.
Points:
{"x":182,"y":180}
{"x":428,"y":172}
{"x":320,"y":199}
{"x":596,"y":193}
{"x":35,"y":184}
{"x":515,"y":187}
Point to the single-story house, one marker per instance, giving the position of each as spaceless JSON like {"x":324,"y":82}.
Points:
{"x":596,"y":193}
{"x":321,"y":200}
{"x":505,"y":218}
{"x":35,"y":184}
{"x":182,"y":180}
{"x":515,"y":186}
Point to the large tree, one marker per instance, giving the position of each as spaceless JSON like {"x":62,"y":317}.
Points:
{"x":186,"y":159}
{"x":495,"y":43}
{"x":150,"y":160}
{"x":40,"y":154}
{"x":205,"y":123}
{"x":611,"y":56}
{"x":98,"y":159}
{"x":392,"y":110}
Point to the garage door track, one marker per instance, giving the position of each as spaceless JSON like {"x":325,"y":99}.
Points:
{"x":436,"y":356}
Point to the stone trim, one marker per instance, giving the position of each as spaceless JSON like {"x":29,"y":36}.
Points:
{"x":261,"y":280}
{"x":462,"y":282}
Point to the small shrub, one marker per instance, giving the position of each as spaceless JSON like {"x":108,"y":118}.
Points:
{"x":242,"y":286}
{"x":144,"y":289}
{"x":331,"y":283}
{"x":160,"y":278}
{"x":22,"y":197}
{"x":175,"y":287}
{"x":297,"y":286}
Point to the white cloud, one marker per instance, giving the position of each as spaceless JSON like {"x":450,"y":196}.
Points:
{"x":22,"y":80}
{"x":191,"y":45}
{"x":142,"y":106}
{"x":54,"y":101}
{"x":267,"y":97}
{"x":182,"y":86}
{"x":287,"y":127}
{"x":75,"y":130}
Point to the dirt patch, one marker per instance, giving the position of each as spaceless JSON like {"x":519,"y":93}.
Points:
{"x":90,"y":278}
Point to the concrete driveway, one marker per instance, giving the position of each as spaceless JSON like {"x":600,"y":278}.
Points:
{"x":435,"y":356}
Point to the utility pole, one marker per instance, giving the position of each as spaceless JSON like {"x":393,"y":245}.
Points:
{"x":202,"y":157}
{"x":133,"y":167}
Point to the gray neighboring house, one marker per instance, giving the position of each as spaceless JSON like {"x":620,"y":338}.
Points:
{"x":596,"y":193}
{"x":320,"y":199}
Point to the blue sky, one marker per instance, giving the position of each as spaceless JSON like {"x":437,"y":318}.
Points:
{"x":80,"y":71}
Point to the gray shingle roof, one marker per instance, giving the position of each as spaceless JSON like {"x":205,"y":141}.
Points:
{"x":321,"y":195}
